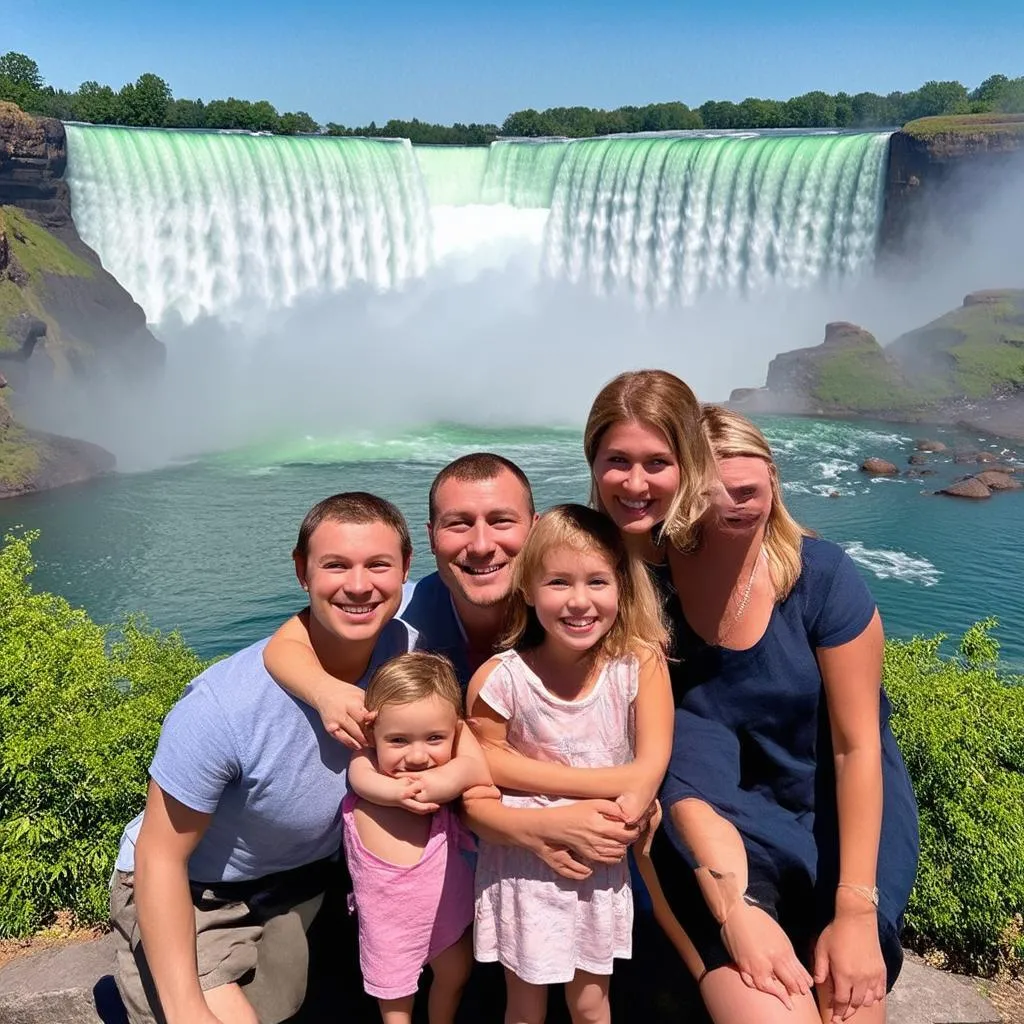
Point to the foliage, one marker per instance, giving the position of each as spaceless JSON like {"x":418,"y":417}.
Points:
{"x":149,"y":101}
{"x":80,"y":711}
{"x":860,"y":378}
{"x":19,"y":456}
{"x":961,"y":729}
{"x":966,"y":124}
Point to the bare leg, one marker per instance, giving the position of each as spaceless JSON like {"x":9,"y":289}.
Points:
{"x":229,"y":1005}
{"x":865,"y":1015}
{"x":451,"y":969}
{"x":729,"y":1001}
{"x":396,"y":1011}
{"x":525,"y":1003}
{"x":587,"y":996}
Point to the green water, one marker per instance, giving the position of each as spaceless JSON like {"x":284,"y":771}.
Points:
{"x":204,"y":547}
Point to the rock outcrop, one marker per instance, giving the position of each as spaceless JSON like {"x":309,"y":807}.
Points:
{"x":997,"y":481}
{"x":940,"y":172}
{"x":64,"y":321}
{"x":966,"y":368}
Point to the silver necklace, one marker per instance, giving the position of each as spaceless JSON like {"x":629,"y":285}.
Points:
{"x":722,"y":637}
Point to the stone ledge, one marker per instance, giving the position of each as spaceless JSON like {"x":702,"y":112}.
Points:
{"x":73,"y":985}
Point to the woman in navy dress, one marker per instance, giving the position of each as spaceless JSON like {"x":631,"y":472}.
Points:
{"x":790,"y":839}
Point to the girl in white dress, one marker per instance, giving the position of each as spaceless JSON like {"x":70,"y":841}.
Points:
{"x":578,"y":707}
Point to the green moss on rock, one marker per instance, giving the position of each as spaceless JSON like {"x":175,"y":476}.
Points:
{"x":967,"y":126}
{"x":38,"y":251}
{"x":19,"y":456}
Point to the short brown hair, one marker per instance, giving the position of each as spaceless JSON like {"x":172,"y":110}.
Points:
{"x":412,"y":677}
{"x":640,"y":621}
{"x":353,"y":507}
{"x":474,"y":468}
{"x":659,"y":399}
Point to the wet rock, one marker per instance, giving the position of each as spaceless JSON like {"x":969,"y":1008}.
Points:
{"x":986,"y":457}
{"x":997,"y":481}
{"x":917,"y":473}
{"x":969,"y":487}
{"x":918,"y":460}
{"x":925,"y":445}
{"x":962,"y":457}
{"x":879,"y":467}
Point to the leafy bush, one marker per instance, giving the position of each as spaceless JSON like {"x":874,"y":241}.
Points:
{"x":80,"y":712}
{"x":961,"y":729}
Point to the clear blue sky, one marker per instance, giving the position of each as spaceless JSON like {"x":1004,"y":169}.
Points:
{"x":444,"y":60}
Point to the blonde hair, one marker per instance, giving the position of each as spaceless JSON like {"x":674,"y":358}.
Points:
{"x":639,"y":622}
{"x":731,"y":436}
{"x":658,"y":399}
{"x":412,"y":677}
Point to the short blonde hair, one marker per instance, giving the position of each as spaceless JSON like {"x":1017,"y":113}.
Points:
{"x":658,"y":399}
{"x":639,"y":622}
{"x":412,"y":677}
{"x":731,"y":436}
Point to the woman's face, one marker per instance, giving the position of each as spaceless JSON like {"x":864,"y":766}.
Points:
{"x":742,"y":500}
{"x":637,"y":476}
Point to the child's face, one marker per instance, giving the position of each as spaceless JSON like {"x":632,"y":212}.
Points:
{"x":414,"y":737}
{"x":576,"y":597}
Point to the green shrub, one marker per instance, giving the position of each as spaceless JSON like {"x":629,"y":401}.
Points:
{"x":80,"y":711}
{"x":961,"y":729}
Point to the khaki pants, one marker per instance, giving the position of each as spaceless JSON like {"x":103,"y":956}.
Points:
{"x":259,"y":943}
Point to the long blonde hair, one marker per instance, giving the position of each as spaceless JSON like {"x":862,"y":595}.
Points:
{"x":658,"y":399}
{"x":639,"y":622}
{"x":731,"y":436}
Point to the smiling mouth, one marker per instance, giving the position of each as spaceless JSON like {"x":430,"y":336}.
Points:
{"x":636,"y":507}
{"x":579,"y":625}
{"x":481,"y":571}
{"x":357,"y":609}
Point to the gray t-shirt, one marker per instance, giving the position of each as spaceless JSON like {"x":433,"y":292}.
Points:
{"x":239,"y":747}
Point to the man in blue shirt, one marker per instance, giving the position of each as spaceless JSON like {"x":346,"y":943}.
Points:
{"x":218,"y":882}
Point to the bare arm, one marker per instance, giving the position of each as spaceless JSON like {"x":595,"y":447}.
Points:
{"x":848,"y":952}
{"x":852,"y":674}
{"x":290,"y":659}
{"x":465,"y":771}
{"x":170,"y":832}
{"x":640,"y":777}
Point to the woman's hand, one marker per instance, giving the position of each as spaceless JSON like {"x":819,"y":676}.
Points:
{"x":341,"y":709}
{"x":763,"y":953}
{"x":849,"y":957}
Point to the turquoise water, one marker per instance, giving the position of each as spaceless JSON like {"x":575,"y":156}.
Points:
{"x":204,"y":547}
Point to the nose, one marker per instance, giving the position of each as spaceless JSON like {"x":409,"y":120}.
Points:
{"x":480,"y":542}
{"x":636,"y":481}
{"x":357,"y":581}
{"x":416,"y":756}
{"x":578,"y":599}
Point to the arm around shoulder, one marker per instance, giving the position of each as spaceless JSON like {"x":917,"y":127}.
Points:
{"x":289,"y":657}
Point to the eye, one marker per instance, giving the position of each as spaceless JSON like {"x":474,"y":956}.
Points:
{"x":557,"y":581}
{"x":437,"y":737}
{"x":398,"y":741}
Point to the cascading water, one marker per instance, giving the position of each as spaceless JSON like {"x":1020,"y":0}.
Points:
{"x":215,"y":222}
{"x":669,"y":218}
{"x":218,"y":223}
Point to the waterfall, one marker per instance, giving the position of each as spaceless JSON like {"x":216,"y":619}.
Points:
{"x":219,"y":223}
{"x":669,"y":218}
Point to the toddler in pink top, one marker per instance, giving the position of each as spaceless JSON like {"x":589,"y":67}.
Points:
{"x":578,"y":707}
{"x":412,"y":887}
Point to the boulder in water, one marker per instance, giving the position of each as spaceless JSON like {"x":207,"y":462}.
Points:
{"x":925,"y":445}
{"x":879,"y":467}
{"x":996,"y":481}
{"x":969,"y":487}
{"x":918,"y":460}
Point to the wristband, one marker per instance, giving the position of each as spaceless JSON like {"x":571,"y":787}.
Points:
{"x":870,"y":893}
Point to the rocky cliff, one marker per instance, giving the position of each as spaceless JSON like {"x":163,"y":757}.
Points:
{"x":63,"y":318}
{"x":966,"y":367}
{"x":941,"y":169}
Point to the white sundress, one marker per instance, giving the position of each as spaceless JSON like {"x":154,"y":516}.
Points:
{"x":539,"y":925}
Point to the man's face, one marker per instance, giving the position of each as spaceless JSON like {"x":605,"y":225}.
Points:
{"x":354,"y":574}
{"x":479,"y":527}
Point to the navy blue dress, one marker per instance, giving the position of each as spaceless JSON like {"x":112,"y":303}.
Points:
{"x":752,"y":739}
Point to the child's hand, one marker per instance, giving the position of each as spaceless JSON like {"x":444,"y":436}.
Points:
{"x":414,"y":798}
{"x":634,"y":809}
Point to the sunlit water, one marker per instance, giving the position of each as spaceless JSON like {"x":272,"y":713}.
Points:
{"x":204,"y":547}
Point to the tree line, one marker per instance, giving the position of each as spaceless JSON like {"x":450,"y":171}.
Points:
{"x":149,"y":102}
